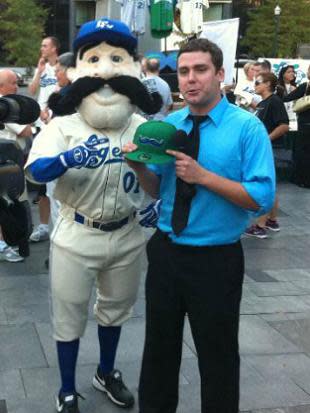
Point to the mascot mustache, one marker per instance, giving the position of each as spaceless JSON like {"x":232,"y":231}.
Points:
{"x":66,"y":103}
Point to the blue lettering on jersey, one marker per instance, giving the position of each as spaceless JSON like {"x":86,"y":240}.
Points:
{"x":94,"y":156}
{"x":47,"y":81}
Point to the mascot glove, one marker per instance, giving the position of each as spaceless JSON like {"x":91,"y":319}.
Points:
{"x":84,"y":155}
{"x":148,"y":216}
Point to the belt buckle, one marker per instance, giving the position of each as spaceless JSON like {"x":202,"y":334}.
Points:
{"x":102,"y":226}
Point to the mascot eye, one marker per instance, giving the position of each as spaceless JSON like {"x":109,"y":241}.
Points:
{"x":93,"y":59}
{"x":116,"y":59}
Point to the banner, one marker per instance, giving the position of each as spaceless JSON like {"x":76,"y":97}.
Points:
{"x":225,"y":34}
{"x":300,"y":66}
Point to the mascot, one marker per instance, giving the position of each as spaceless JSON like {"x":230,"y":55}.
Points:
{"x":97,"y":237}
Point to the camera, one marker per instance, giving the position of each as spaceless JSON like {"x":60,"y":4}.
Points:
{"x":18,"y":109}
{"x":15,"y":215}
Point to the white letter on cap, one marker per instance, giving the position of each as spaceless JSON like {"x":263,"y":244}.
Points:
{"x":102,"y":24}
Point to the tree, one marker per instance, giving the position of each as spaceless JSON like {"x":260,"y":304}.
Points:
{"x":293,"y":28}
{"x":21,"y":30}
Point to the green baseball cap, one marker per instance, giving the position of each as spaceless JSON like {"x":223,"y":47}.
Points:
{"x":153,"y":138}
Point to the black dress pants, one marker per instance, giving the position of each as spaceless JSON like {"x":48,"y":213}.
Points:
{"x":206,"y":284}
{"x":301,"y":156}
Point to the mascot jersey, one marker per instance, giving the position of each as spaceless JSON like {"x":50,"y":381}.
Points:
{"x":106,"y":189}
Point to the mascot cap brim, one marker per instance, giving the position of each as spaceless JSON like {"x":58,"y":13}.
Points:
{"x":114,"y":32}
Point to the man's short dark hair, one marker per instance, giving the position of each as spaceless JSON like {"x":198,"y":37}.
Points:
{"x":152,"y":65}
{"x":55,"y":42}
{"x":265,"y":65}
{"x":206,"y":46}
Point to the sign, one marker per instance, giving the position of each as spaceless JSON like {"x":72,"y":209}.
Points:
{"x":300,"y":66}
{"x":225,"y":34}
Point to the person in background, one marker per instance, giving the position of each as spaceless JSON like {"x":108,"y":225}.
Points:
{"x":302,"y":145}
{"x":287,"y":83}
{"x":263,"y":66}
{"x":245,"y":90}
{"x":143,"y":61}
{"x":196,"y":261}
{"x":271,"y":111}
{"x":156,"y":84}
{"x":18,"y":133}
{"x":42,"y":86}
{"x":64,"y":61}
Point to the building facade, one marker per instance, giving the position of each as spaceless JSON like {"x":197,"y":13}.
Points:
{"x":66,"y":16}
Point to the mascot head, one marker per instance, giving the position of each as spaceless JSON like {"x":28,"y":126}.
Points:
{"x":106,"y":86}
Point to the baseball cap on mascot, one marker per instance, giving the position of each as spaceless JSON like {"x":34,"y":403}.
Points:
{"x":111,"y":31}
{"x":153,"y":138}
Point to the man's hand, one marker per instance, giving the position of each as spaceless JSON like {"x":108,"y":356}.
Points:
{"x":41,"y":65}
{"x":131,"y":147}
{"x":186,"y":167}
{"x":147,"y":179}
{"x":45,"y":116}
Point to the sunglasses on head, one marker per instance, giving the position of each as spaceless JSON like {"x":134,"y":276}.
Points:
{"x":258,"y":82}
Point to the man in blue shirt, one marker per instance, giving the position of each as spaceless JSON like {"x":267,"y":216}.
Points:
{"x":199,"y":271}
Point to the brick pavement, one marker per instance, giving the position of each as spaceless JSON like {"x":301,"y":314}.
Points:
{"x":274,"y":329}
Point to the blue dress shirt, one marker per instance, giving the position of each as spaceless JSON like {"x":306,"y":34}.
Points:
{"x":233,"y":144}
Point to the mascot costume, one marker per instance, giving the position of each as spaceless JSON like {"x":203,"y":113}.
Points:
{"x":97,"y":237}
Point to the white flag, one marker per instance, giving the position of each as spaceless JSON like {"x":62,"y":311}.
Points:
{"x":225,"y":34}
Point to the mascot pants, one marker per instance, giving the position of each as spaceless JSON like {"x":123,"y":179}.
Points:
{"x":81,"y":256}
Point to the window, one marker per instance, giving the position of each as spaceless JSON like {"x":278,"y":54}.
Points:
{"x":85,"y":11}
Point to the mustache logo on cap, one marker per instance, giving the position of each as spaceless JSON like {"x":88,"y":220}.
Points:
{"x":151,"y":141}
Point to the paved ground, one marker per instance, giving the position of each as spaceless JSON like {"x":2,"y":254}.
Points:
{"x":274,"y":331}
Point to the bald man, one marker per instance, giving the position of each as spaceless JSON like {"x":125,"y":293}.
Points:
{"x":8,"y":85}
{"x":18,"y":133}
{"x":156,"y":84}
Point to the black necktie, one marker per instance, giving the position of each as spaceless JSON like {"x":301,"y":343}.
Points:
{"x":185,"y":191}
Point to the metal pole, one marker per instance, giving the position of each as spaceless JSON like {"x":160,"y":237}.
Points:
{"x":276,"y":36}
{"x":277,"y":12}
{"x":72,"y":26}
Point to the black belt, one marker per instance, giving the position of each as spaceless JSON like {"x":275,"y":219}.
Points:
{"x":108,"y":227}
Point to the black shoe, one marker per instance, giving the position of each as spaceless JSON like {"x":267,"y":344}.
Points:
{"x":113,"y":385}
{"x":67,"y":402}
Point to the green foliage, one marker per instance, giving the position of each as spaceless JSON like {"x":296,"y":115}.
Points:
{"x":21,"y":30}
{"x":293,"y":28}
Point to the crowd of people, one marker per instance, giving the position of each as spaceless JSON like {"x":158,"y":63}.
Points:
{"x":271,"y":98}
{"x":96,"y":198}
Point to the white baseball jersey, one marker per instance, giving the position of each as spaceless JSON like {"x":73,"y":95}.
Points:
{"x":133,"y":13}
{"x":48,"y":83}
{"x":11,"y":130}
{"x":107,"y":191}
{"x":191,"y":15}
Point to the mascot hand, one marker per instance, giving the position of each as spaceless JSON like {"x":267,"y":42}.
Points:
{"x":86,"y":155}
{"x":148,"y":216}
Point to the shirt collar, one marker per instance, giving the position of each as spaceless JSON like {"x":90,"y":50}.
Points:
{"x":215,"y":114}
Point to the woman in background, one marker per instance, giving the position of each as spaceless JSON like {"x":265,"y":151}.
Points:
{"x":287,"y":83}
{"x":271,"y":111}
{"x":302,"y":143}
